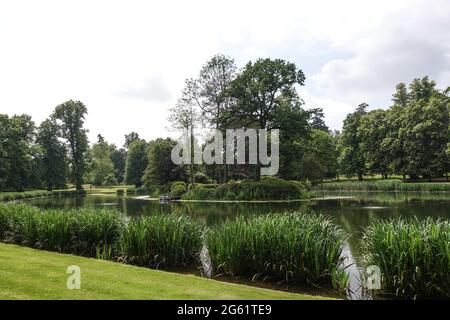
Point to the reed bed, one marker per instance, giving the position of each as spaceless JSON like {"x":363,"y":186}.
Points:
{"x":161,"y":240}
{"x":82,"y":232}
{"x":290,"y":247}
{"x":11,"y":196}
{"x":413,"y":255}
{"x":385,"y":185}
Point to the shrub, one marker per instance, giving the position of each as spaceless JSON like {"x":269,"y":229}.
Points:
{"x":289,"y":247}
{"x":161,"y":240}
{"x":265,"y":189}
{"x":178,"y":189}
{"x":413,"y":255}
{"x":200,"y":177}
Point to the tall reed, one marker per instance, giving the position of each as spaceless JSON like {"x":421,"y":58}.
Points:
{"x":70,"y":231}
{"x":290,"y":247}
{"x":161,"y":240}
{"x":385,"y":185}
{"x":413,"y":255}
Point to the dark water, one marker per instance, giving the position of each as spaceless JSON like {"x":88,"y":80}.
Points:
{"x":351,"y":210}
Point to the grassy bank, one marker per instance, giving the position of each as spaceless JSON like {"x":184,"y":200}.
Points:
{"x":34,"y":274}
{"x":265,"y":189}
{"x":413,"y":255}
{"x":301,"y":248}
{"x":385,"y":185}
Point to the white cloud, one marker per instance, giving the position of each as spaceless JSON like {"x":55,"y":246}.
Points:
{"x":127,"y":60}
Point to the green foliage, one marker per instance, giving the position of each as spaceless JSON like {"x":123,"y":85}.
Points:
{"x":320,"y":160}
{"x":413,"y":255}
{"x":16,"y":152}
{"x":102,"y":167}
{"x":70,"y":116}
{"x":410,"y":138}
{"x":110,"y":180}
{"x":291,"y":247}
{"x":52,"y":156}
{"x":200,"y":177}
{"x":259,"y":90}
{"x":384,"y":185}
{"x":178,"y":188}
{"x":351,"y":156}
{"x":119,"y":158}
{"x":80,"y":232}
{"x":161,"y":240}
{"x":137,"y":162}
{"x":11,"y":196}
{"x":265,"y":189}
{"x":161,"y":170}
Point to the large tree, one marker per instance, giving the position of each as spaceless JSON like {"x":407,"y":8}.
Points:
{"x":371,"y":133}
{"x":161,"y":170}
{"x":259,"y":90}
{"x":70,"y":116}
{"x":130,"y":138}
{"x":4,"y":162}
{"x":214,"y":81}
{"x":185,"y":118}
{"x":119,"y":158}
{"x":351,"y":160}
{"x":137,"y":162}
{"x":20,"y":136}
{"x":102,"y":166}
{"x":52,"y":155}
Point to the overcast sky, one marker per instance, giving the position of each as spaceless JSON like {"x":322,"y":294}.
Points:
{"x":127,"y":60}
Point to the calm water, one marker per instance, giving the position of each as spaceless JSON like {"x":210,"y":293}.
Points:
{"x":351,"y":210}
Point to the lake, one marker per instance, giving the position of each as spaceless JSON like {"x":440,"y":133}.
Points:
{"x":351,"y":210}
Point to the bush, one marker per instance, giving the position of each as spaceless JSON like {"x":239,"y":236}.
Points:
{"x":265,"y":189}
{"x":290,"y":247}
{"x":200,"y":177}
{"x":161,"y":240}
{"x":413,"y":255}
{"x":178,"y":188}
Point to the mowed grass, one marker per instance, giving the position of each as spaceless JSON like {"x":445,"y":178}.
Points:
{"x":34,"y":274}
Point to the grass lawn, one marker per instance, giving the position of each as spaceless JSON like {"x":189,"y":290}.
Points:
{"x":34,"y":274}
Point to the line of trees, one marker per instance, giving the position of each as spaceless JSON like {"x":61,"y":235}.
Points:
{"x":411,"y":138}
